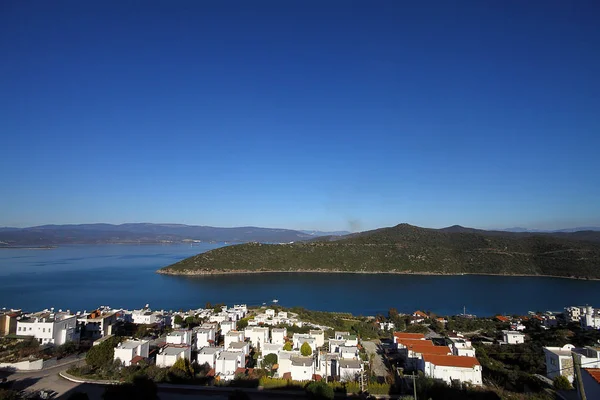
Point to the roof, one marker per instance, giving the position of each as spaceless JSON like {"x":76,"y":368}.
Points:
{"x":229,"y":355}
{"x":245,"y":371}
{"x":502,"y":318}
{"x":210,"y":350}
{"x":420,"y":314}
{"x":287,"y":375}
{"x":349,"y":363}
{"x":594,"y":373}
{"x":451,"y":361}
{"x":238,"y":345}
{"x":405,"y":335}
{"x":136,"y":359}
{"x":173,"y":350}
{"x":131,"y":344}
{"x":412,"y":342}
{"x":439,"y":350}
{"x":302,"y":361}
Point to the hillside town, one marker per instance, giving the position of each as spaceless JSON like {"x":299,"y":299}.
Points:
{"x":223,"y":345}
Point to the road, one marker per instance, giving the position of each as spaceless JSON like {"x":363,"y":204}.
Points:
{"x":372,"y":347}
{"x":48,"y":379}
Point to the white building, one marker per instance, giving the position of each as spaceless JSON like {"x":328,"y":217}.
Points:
{"x":227,"y":363}
{"x":449,"y":368}
{"x":227,"y":326}
{"x":559,"y":360}
{"x":242,"y":347}
{"x":180,"y":336}
{"x":591,"y":319}
{"x":203,"y":337}
{"x":334,"y":345}
{"x":348,"y":352}
{"x":271,"y":348}
{"x":278,"y":335}
{"x":302,"y":368}
{"x":169,"y":354}
{"x":209,"y":355}
{"x":350,"y":370}
{"x":319,"y":336}
{"x":98,"y":324}
{"x":513,"y":337}
{"x":257,"y":335}
{"x":233,"y":336}
{"x":126,"y":351}
{"x":573,"y":313}
{"x":269,"y":312}
{"x":284,"y":359}
{"x":282,"y":314}
{"x":49,"y":327}
{"x":145,"y":316}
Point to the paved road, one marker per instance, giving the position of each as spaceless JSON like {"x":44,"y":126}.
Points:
{"x":372,"y":347}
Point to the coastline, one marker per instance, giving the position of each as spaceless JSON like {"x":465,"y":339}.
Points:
{"x":192,"y":273}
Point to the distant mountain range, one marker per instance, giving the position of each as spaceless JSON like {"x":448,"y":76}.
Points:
{"x":578,"y":229}
{"x":147,"y":233}
{"x":410,"y":249}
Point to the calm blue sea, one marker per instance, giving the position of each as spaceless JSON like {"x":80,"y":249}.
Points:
{"x":81,"y":277}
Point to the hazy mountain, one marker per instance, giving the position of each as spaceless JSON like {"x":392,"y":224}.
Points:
{"x":142,"y":233}
{"x":321,"y":233}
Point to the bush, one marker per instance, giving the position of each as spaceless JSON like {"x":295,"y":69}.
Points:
{"x":102,"y":354}
{"x":319,"y":390}
{"x":378,"y":388}
{"x":287,"y":346}
{"x":305,"y":349}
{"x":562,"y":383}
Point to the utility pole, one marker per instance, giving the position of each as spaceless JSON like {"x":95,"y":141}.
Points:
{"x":414,"y":385}
{"x":577,"y":368}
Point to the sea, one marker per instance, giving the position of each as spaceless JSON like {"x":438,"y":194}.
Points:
{"x":83,"y":277}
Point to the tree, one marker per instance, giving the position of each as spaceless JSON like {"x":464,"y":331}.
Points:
{"x":416,"y":328}
{"x":305,"y":349}
{"x":178,"y":320}
{"x":269,"y":361}
{"x":102,"y":355}
{"x":287,"y":346}
{"x":183,"y":368}
{"x":242,"y":323}
{"x":561,"y":382}
{"x":320,"y":391}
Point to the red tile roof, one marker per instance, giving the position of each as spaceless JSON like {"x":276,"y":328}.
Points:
{"x":420,"y":314}
{"x":136,"y":359}
{"x":502,"y":318}
{"x":439,"y":350}
{"x":594,"y":373}
{"x":410,"y":342}
{"x":405,"y":335}
{"x":451,"y":361}
{"x":316,"y":377}
{"x":211,"y":373}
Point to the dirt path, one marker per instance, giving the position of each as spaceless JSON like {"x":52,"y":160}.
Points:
{"x":372,"y":347}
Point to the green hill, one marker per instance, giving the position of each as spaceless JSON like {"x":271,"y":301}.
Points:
{"x":407,"y":249}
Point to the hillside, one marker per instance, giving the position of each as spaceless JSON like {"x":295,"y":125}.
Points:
{"x":408,"y":249}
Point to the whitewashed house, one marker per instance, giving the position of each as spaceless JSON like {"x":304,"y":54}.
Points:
{"x":126,"y":351}
{"x":278,"y":335}
{"x":328,"y":365}
{"x":348,"y":352}
{"x":513,"y":337}
{"x":302,"y":368}
{"x":300,"y":340}
{"x":233,"y":336}
{"x":350,"y":370}
{"x":257,"y":335}
{"x":227,"y":363}
{"x":462,"y":347}
{"x":334,"y":345}
{"x":284,"y":359}
{"x":318,"y":335}
{"x":203,"y":337}
{"x":242,"y":347}
{"x":227,"y":326}
{"x":98,"y":324}
{"x":559,"y":360}
{"x":145,"y":316}
{"x":270,"y":313}
{"x":282,"y":314}
{"x":450,"y":368}
{"x":573,"y":313}
{"x":271,"y":348}
{"x":209,"y":355}
{"x":180,"y":336}
{"x":49,"y":327}
{"x":168,"y":355}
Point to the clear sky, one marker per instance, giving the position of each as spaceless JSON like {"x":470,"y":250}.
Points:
{"x":300,"y":114}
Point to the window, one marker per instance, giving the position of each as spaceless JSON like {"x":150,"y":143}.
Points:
{"x":44,"y":330}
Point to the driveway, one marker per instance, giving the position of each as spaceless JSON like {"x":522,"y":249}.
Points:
{"x":374,"y":348}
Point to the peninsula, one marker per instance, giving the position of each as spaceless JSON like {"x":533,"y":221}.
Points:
{"x":411,"y":250}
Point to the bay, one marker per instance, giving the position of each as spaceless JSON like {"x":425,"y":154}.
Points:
{"x":79,"y":277}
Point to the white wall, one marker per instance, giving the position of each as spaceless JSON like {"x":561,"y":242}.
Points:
{"x":447,"y":373}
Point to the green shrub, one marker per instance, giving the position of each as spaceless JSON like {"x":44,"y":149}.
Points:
{"x":320,"y":390}
{"x":562,"y":383}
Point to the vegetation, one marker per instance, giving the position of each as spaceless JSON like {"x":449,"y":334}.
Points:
{"x":102,"y":355}
{"x":269,"y":361}
{"x":319,"y":390}
{"x":562,"y":383}
{"x":409,"y":249}
{"x":305,"y":349}
{"x":287,"y":346}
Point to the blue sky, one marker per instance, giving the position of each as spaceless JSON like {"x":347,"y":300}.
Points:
{"x":301,"y":114}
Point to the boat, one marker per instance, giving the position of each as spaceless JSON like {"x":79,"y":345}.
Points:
{"x":275,"y":301}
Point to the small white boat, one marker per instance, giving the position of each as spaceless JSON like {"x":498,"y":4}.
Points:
{"x":275,"y":301}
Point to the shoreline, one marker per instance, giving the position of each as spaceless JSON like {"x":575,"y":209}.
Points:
{"x":189,"y":273}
